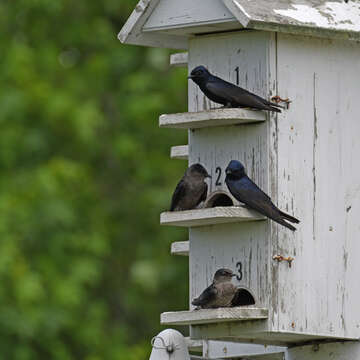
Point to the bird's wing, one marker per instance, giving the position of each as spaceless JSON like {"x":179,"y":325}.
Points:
{"x":250,"y":194}
{"x":236,"y":95}
{"x":204,"y":194}
{"x":208,"y":295}
{"x":178,"y":194}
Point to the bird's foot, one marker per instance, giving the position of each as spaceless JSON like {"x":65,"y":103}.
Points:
{"x":277,"y":99}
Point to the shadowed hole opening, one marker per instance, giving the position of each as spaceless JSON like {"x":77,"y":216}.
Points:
{"x":243,"y":297}
{"x":218,"y":198}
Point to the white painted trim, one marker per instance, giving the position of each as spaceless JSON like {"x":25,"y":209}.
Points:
{"x":209,"y":216}
{"x":238,"y":11}
{"x":210,"y":316}
{"x":131,"y":32}
{"x":180,"y":248}
{"x":217,"y":117}
{"x":194,"y":345}
{"x":179,"y":59}
{"x":179,"y":152}
{"x":228,"y":349}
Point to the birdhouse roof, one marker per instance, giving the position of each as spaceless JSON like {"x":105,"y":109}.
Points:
{"x":170,"y":23}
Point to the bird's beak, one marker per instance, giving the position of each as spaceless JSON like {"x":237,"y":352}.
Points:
{"x":209,"y":176}
{"x":190,"y":76}
{"x":227,"y":171}
{"x":233,"y":275}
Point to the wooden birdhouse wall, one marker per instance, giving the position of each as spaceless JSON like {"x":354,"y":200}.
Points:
{"x":317,"y":178}
{"x":239,"y":57}
{"x":306,"y":159}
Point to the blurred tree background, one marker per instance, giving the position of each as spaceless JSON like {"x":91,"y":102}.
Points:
{"x":85,"y":268}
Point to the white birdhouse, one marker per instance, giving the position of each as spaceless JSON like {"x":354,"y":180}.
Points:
{"x":306,"y":159}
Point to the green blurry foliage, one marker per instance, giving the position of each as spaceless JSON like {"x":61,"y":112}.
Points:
{"x":85,"y":268}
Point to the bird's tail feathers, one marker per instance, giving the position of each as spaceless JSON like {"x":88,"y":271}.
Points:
{"x":289,"y":217}
{"x":196,"y":302}
{"x":272,"y":108}
{"x":284,"y":223}
{"x":277,"y":105}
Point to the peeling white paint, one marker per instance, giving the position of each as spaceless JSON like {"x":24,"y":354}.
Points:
{"x":332,"y":14}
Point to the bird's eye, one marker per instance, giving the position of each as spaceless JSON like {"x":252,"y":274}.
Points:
{"x":199,"y":72}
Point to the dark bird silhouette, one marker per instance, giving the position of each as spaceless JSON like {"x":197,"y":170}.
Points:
{"x":220,"y":293}
{"x":227,"y":94}
{"x":191,"y":189}
{"x":247,"y":192}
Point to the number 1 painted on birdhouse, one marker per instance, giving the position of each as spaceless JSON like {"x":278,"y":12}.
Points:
{"x":237,"y":75}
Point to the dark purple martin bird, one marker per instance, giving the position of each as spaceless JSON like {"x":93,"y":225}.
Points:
{"x":220,"y":293}
{"x":247,"y":192}
{"x":191,"y":189}
{"x":227,"y":94}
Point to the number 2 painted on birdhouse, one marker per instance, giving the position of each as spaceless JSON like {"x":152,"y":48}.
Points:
{"x":218,"y":171}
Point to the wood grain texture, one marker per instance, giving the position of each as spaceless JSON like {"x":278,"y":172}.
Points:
{"x":207,"y":316}
{"x":180,"y":152}
{"x":304,"y":158}
{"x":253,"y":331}
{"x":247,"y":243}
{"x":335,"y":351}
{"x":227,"y":350}
{"x":209,"y":216}
{"x":205,"y":119}
{"x":318,"y":180}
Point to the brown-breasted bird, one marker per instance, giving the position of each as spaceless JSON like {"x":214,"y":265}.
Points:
{"x":227,"y":94}
{"x":191,"y":189}
{"x":220,"y":293}
{"x":247,"y":192}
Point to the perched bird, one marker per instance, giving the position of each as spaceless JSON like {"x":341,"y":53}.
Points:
{"x":191,"y":189}
{"x":220,"y":293}
{"x":247,"y":192}
{"x":227,"y":94}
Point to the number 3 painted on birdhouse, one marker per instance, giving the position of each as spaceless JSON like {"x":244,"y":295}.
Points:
{"x":239,"y":267}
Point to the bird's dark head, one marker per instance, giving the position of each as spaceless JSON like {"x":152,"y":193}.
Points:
{"x":198,"y":170}
{"x":223,"y":275}
{"x":235,"y":169}
{"x":199,"y":75}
